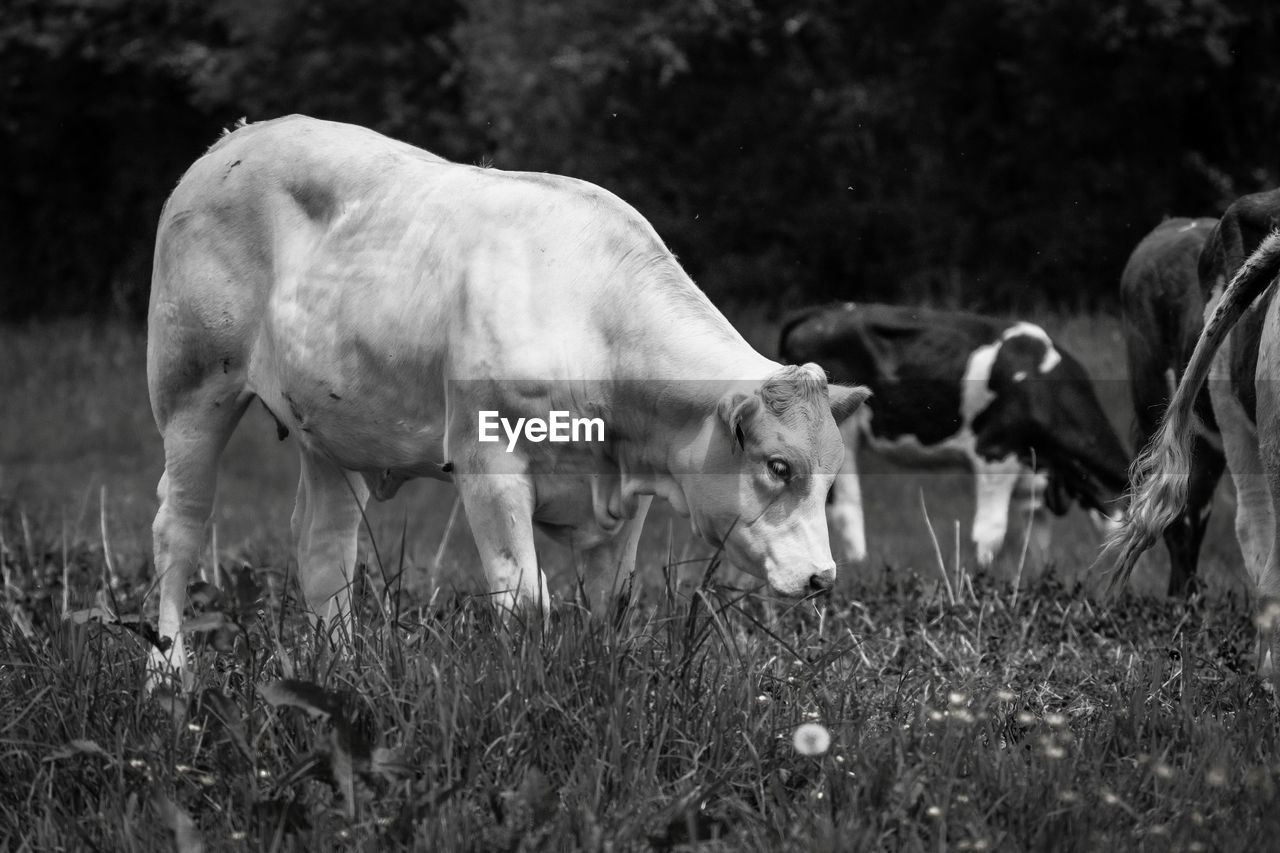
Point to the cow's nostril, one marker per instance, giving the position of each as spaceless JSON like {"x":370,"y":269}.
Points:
{"x":821,"y":583}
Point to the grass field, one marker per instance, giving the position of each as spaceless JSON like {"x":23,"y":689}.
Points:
{"x":963,"y":714}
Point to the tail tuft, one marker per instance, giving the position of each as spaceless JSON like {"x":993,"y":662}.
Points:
{"x":1159,"y":491}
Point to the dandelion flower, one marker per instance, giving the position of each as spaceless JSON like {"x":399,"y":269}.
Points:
{"x":811,"y":739}
{"x":936,"y":715}
{"x":955,"y":697}
{"x":933,"y":811}
{"x":1216,"y":776}
{"x":1025,"y":718}
{"x":763,"y":699}
{"x":1163,"y":771}
{"x":1068,"y":796}
{"x":1005,"y":695}
{"x":1055,"y":719}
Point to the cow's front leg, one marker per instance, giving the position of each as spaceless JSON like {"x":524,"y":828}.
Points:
{"x":499,"y":509}
{"x":994,"y":482}
{"x":1032,"y":517}
{"x":605,"y":570}
{"x":326,"y":527}
{"x":845,"y":517}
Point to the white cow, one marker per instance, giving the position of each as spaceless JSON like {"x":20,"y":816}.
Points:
{"x":377,"y":299}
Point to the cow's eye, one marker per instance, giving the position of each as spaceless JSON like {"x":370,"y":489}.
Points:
{"x":780,"y":469}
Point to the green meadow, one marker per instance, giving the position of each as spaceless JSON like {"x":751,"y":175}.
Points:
{"x":1013,"y":710}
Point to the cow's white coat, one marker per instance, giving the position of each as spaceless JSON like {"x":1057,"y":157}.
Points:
{"x":376,"y":298}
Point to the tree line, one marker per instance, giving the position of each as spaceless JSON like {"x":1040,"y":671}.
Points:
{"x":994,"y":154}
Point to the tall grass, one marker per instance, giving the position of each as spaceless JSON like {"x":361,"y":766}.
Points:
{"x":987,"y":719}
{"x":994,"y":721}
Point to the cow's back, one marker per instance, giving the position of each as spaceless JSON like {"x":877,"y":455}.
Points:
{"x":1160,"y":292}
{"x":333,"y":273}
{"x":913,"y":359}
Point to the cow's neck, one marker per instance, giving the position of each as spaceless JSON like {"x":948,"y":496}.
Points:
{"x":681,"y":363}
{"x":672,"y":332}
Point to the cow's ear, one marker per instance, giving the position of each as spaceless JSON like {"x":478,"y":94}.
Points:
{"x":736,"y":410}
{"x":845,"y":400}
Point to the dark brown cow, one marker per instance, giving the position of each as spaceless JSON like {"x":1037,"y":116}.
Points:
{"x":1238,"y":353}
{"x":1163,"y":315}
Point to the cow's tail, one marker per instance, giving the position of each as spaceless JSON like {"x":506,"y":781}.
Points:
{"x":1159,"y":475}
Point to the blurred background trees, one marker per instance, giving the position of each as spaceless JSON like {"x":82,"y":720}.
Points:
{"x":994,"y":154}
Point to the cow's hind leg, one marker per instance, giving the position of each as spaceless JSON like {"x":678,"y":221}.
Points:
{"x":1184,"y":537}
{"x":1255,"y":514}
{"x":1267,"y":582}
{"x":605,"y":571}
{"x":195,"y":430}
{"x":326,"y":528}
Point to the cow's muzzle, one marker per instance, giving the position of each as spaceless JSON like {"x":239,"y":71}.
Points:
{"x":821,"y":583}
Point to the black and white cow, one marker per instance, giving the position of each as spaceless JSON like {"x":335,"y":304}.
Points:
{"x":1163,"y":312}
{"x":951,"y":386}
{"x":1238,"y":355}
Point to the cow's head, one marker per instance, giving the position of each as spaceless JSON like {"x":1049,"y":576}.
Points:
{"x":1045,"y":410}
{"x":769,"y":456}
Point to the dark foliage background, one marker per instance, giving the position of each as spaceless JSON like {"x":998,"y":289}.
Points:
{"x":989,"y":153}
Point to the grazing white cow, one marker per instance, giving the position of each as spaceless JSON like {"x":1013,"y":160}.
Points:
{"x":952,"y":386}
{"x":1239,"y":353}
{"x":1163,"y":311}
{"x":390,"y":307}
